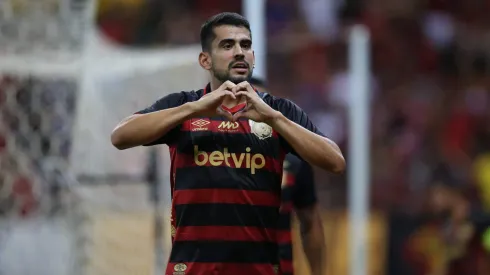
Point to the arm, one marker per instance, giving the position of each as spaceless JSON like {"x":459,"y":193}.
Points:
{"x":158,"y":123}
{"x":308,"y":213}
{"x":313,"y":239}
{"x":313,"y":148}
{"x":141,"y":129}
{"x":294,"y":127}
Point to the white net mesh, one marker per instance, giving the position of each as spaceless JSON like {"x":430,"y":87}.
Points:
{"x":41,"y":27}
{"x":36,"y":119}
{"x":37,"y":207}
{"x":122,"y":219}
{"x":117,"y":84}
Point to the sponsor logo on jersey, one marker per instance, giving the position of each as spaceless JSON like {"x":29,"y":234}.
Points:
{"x":247,"y":160}
{"x":200,"y":125}
{"x":228,"y":126}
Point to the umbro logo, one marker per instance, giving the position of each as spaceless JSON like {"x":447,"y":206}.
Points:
{"x":200,"y":125}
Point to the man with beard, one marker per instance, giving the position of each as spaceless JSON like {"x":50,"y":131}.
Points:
{"x":226,"y":162}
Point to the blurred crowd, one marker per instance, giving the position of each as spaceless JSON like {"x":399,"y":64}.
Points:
{"x":430,"y":120}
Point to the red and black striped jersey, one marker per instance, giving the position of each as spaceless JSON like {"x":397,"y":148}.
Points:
{"x":298,"y":192}
{"x":226,"y":188}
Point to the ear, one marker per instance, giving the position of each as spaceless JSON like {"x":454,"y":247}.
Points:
{"x":253,"y":63}
{"x":205,"y":60}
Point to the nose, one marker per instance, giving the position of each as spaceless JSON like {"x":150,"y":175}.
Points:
{"x":238,"y":52}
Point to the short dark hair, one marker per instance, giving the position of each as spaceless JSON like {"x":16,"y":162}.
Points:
{"x":221,"y":19}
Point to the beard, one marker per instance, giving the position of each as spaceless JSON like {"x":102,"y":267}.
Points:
{"x":225,"y":75}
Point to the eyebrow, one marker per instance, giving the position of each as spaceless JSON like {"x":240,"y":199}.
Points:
{"x":230,"y":40}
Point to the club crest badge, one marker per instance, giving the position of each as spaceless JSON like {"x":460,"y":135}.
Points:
{"x":179,"y":269}
{"x":261,"y":130}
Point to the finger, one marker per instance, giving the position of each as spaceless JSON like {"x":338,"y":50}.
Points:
{"x":229,"y":93}
{"x":245,"y":85}
{"x":227,"y":85}
{"x":238,"y":88}
{"x":238,"y":115}
{"x":242,"y":113}
{"x":224,"y":113}
{"x":249,"y":87}
{"x":242,"y":86}
{"x":246,"y":94}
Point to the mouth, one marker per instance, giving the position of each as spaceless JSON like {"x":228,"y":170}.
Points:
{"x":240,"y":67}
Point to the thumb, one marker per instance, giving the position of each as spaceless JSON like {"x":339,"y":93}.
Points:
{"x":224,"y":113}
{"x":242,"y":113}
{"x":229,"y":93}
{"x":239,"y":115}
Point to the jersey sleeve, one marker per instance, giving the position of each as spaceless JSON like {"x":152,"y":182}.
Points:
{"x":294,"y":113}
{"x":304,"y":194}
{"x":166,"y":102}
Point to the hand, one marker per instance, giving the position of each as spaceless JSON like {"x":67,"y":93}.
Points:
{"x":256,"y":110}
{"x":209,"y":105}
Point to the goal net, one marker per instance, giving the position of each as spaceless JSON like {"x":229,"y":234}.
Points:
{"x":114,"y":189}
{"x":69,"y":202}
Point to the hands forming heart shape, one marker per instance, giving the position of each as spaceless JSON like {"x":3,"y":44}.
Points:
{"x":232,"y":105}
{"x":235,"y":101}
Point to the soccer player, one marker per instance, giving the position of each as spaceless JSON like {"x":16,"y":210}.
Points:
{"x":298,"y":193}
{"x":226,"y":166}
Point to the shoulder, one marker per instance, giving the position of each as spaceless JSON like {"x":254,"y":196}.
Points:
{"x":278,"y":103}
{"x":184,"y":96}
{"x":179,"y":98}
{"x":289,"y":109}
{"x":172,"y":100}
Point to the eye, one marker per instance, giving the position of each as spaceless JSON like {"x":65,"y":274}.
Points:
{"x":227,"y":46}
{"x":246,"y":45}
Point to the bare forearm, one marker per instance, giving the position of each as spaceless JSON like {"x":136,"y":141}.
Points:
{"x":313,"y":239}
{"x":313,"y":148}
{"x":315,"y":251}
{"x":142,"y":129}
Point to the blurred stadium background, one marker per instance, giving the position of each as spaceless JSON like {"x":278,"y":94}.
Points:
{"x":71,"y":69}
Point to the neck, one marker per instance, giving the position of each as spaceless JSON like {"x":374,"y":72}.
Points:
{"x":215,"y":84}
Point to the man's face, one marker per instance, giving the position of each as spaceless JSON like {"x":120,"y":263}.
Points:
{"x":231,"y":54}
